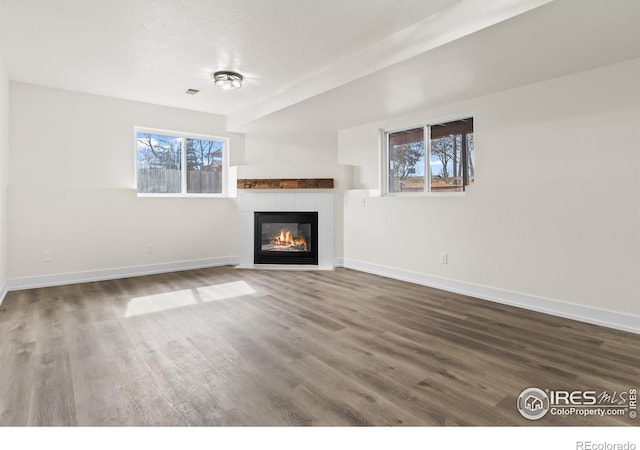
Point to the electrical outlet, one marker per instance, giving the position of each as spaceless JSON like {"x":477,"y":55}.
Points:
{"x":444,"y":258}
{"x":149,"y":249}
{"x":363,"y":200}
{"x":47,"y":256}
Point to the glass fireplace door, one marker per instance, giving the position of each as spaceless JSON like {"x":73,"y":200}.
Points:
{"x":286,"y":238}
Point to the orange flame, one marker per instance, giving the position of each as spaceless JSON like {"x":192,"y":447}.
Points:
{"x":286,"y":239}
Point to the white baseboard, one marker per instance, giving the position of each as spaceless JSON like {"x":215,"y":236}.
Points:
{"x":111,"y":274}
{"x":588,"y":314}
{"x":3,"y":292}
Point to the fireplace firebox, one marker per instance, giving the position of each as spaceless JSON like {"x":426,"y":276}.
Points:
{"x":285,"y":238}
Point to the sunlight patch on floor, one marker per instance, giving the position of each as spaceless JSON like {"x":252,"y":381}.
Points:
{"x":170,"y":300}
{"x":225,"y":290}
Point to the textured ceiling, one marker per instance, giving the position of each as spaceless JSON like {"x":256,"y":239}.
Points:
{"x":154,"y":50}
{"x":545,"y":43}
{"x":326,"y":62}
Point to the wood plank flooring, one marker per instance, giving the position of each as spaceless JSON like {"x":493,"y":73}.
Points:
{"x":225,"y":346}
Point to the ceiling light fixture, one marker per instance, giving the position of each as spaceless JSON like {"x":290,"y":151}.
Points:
{"x":226,"y":80}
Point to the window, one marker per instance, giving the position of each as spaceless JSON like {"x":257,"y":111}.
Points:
{"x":161,"y":159}
{"x":431,"y":158}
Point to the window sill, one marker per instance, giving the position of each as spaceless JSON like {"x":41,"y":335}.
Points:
{"x":424,"y":194}
{"x":142,"y":195}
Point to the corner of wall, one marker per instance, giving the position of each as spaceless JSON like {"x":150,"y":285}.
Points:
{"x":4,"y":174}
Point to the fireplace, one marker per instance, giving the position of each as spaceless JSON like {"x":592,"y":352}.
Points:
{"x":285,"y":238}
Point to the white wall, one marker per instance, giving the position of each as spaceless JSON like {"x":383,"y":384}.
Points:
{"x":72,"y":191}
{"x":4,"y":172}
{"x":555,"y":212}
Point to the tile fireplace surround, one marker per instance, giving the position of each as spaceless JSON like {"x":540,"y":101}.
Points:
{"x":320,"y":200}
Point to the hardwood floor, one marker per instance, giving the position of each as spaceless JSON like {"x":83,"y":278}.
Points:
{"x":225,"y":346}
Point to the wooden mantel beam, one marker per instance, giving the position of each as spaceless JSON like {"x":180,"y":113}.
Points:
{"x":285,"y":183}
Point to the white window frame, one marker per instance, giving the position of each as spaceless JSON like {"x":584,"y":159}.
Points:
{"x":384,"y":138}
{"x":183,"y":163}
